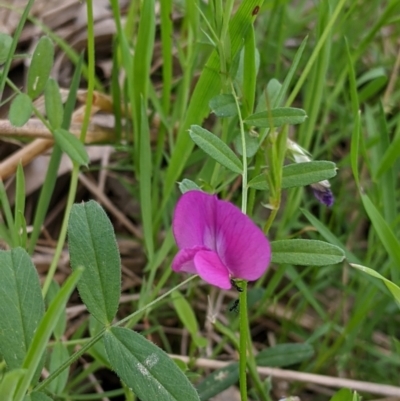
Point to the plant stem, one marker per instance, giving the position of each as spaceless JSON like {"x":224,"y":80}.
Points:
{"x":100,"y":334}
{"x":244,"y":152}
{"x":244,"y":335}
{"x":243,"y":318}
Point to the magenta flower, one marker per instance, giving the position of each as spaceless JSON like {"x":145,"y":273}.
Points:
{"x":217,"y":241}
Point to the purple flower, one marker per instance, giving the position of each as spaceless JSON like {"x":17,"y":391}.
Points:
{"x":217,"y":241}
{"x":323,"y":194}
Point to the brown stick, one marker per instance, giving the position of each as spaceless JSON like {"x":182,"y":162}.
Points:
{"x":34,"y":128}
{"x":24,"y":156}
{"x":291,"y":375}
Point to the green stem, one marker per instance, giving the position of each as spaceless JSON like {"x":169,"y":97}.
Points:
{"x":244,"y":335}
{"x":253,"y":372}
{"x":245,"y":348}
{"x":244,"y":152}
{"x":100,"y":334}
{"x":243,"y":318}
{"x":271,"y":219}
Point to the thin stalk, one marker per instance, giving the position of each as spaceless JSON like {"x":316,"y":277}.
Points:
{"x":244,"y":335}
{"x":245,"y":349}
{"x":252,"y":366}
{"x":244,"y":152}
{"x":100,"y":334}
{"x":243,"y":313}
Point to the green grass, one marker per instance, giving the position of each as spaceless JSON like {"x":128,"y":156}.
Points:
{"x":340,"y":78}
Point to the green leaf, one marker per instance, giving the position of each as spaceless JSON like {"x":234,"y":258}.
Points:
{"x":370,"y":83}
{"x":139,"y":71}
{"x":250,"y":59}
{"x":392,"y":287}
{"x":53,"y":103}
{"x":343,"y":395}
{"x":181,"y":364}
{"x":9,"y":383}
{"x":5,"y":235}
{"x":271,"y":94}
{"x":385,"y":233}
{"x":372,"y":88}
{"x":259,"y":182}
{"x":188,"y":185}
{"x":59,"y":329}
{"x":92,"y":244}
{"x":187,"y":317}
{"x":301,"y":174}
{"x":8,"y":233}
{"x":39,"y":396}
{"x":389,"y":158}
{"x":43,"y":332}
{"x":145,"y":174}
{"x":19,"y":210}
{"x":294,"y":64}
{"x":306,"y":252}
{"x":277,"y":117}
{"x":20,"y":110}
{"x":145,"y":368}
{"x":5,"y":46}
{"x":355,"y":106}
{"x":283,"y":355}
{"x":40,"y":68}
{"x":98,"y":351}
{"x":329,"y":236}
{"x":298,"y":175}
{"x":218,"y":381}
{"x":71,"y":145}
{"x":59,"y":354}
{"x":252,"y":144}
{"x":223,"y":105}
{"x":387,"y":185}
{"x":143,"y":55}
{"x":370,"y":76}
{"x":185,"y":312}
{"x":20,"y":314}
{"x":215,"y":148}
{"x":15,"y":41}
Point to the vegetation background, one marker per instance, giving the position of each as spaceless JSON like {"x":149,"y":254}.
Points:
{"x":348,"y":318}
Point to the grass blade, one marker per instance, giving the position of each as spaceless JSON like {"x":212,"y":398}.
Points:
{"x":43,"y":332}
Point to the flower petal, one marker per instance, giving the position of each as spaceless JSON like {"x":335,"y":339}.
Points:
{"x":210,"y":268}
{"x":241,"y":245}
{"x":202,"y":223}
{"x":194,"y":220}
{"x":323,"y":194}
{"x":184,"y":260}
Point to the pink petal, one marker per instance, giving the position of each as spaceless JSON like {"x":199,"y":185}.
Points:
{"x":184,"y":260}
{"x":202,"y":222}
{"x":210,"y":268}
{"x":241,"y":245}
{"x":194,"y":220}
